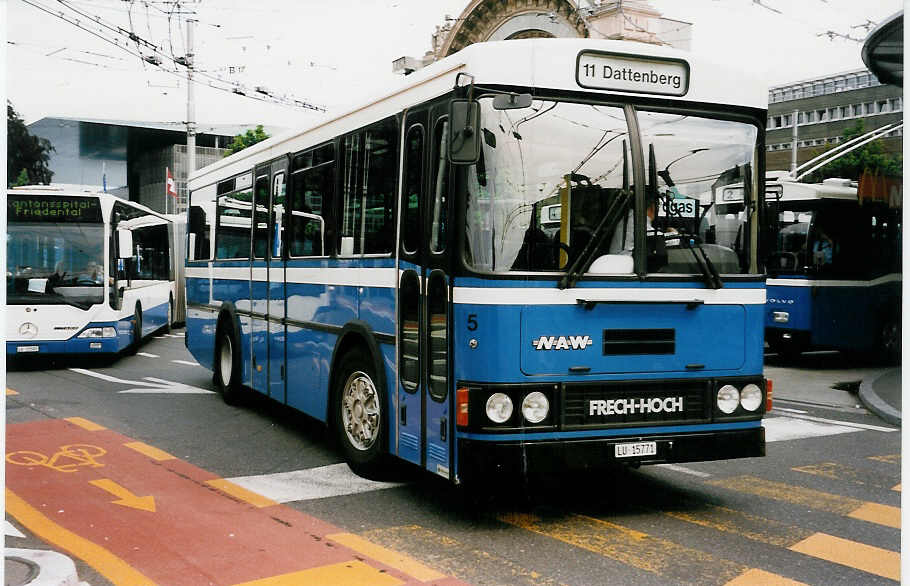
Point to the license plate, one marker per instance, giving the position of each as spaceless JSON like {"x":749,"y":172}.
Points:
{"x":27,"y":348}
{"x":636,"y":449}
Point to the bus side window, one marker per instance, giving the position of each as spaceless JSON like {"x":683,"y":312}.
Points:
{"x":311,"y":196}
{"x":413,"y":189}
{"x":261,"y":228}
{"x":440,"y":186}
{"x":351,"y":203}
{"x":381,"y":165}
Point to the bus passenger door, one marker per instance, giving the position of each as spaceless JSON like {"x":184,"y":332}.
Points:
{"x":276,"y":292}
{"x":259,"y":281}
{"x":408,"y":437}
{"x":436,"y":249}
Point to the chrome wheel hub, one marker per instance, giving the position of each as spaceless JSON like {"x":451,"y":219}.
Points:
{"x":360,"y":411}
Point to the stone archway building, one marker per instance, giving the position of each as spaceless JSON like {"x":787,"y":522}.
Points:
{"x":496,"y":20}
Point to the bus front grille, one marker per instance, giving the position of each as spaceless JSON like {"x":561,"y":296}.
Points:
{"x":635,"y":403}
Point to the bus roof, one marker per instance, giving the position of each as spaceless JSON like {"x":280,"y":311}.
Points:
{"x":533,"y":63}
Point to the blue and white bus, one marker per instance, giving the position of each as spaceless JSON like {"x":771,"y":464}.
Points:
{"x":834,"y":272}
{"x":392,"y":272}
{"x":86,"y":273}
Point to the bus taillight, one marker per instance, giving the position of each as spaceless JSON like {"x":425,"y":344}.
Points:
{"x":769,"y":393}
{"x":461,"y":407}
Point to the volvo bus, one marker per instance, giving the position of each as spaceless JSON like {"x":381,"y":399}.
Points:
{"x":834,"y":271}
{"x":86,"y":273}
{"x":395,"y":271}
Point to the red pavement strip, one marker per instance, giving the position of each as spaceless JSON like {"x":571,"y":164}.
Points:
{"x":141,"y":516}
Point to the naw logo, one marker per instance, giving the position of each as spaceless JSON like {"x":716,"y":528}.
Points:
{"x":562,"y":342}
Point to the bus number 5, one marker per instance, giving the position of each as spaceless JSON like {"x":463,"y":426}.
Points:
{"x":472,"y":322}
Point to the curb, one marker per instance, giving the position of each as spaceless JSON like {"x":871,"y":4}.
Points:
{"x":875,"y":403}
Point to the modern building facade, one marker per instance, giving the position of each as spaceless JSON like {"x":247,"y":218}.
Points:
{"x":822,"y":109}
{"x":130,"y":159}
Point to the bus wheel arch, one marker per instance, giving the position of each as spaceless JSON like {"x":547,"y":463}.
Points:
{"x":357,"y":369}
{"x":170,"y":313}
{"x":227,"y":363}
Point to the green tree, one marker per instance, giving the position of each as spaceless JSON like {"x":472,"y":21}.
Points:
{"x":251,"y":137}
{"x":25,"y":153}
{"x":869,"y":158}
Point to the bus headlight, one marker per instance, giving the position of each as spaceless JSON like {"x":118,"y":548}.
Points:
{"x":105,"y":332}
{"x":728,"y":399}
{"x":499,"y":407}
{"x":750,"y":398}
{"x":535,"y":407}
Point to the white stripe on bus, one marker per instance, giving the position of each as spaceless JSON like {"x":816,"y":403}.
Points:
{"x":892,"y":278}
{"x":554,"y":296}
{"x":340,"y":276}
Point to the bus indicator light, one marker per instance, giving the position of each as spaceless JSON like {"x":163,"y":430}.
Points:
{"x":461,"y":407}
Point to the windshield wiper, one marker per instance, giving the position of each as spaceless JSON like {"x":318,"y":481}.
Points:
{"x":712,"y":277}
{"x":583,"y":261}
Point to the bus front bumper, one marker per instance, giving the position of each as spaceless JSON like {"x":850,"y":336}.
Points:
{"x":479,"y":459}
{"x":23,"y":348}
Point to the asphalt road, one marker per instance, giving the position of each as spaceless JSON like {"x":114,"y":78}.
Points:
{"x":88,"y":444}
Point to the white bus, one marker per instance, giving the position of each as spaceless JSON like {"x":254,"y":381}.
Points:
{"x":434,"y":275}
{"x":86,"y":273}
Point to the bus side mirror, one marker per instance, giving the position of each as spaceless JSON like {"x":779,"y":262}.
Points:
{"x":464,"y":132}
{"x":124,"y":244}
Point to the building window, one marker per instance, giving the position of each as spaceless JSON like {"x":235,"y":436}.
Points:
{"x":862,"y":80}
{"x":829,"y":87}
{"x":851,"y":82}
{"x":869,"y":108}
{"x":788,"y":120}
{"x":895,"y":104}
{"x":881,"y":107}
{"x":821,"y":115}
{"x":845,"y":111}
{"x":839,"y":85}
{"x":857,"y":109}
{"x":777,"y":122}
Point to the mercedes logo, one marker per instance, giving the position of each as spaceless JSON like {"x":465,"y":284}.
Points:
{"x":28,"y":330}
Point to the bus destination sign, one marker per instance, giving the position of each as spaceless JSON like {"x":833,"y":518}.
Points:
{"x":52,"y":208}
{"x":623,"y":73}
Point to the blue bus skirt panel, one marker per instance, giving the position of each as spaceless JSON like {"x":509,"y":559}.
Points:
{"x":480,"y":459}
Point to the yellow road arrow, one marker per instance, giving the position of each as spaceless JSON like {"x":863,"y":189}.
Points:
{"x":127,"y":499}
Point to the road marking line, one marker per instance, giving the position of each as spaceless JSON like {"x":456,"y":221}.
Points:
{"x":836,"y":471}
{"x":684,"y":470}
{"x":876,"y":513}
{"x":648,"y":553}
{"x":800,"y":411}
{"x":352,"y":573}
{"x":867,"y":558}
{"x":889,"y":459}
{"x":844,"y":423}
{"x":756,"y":577}
{"x":150,"y":451}
{"x":147,"y":355}
{"x":103,"y":561}
{"x":240,"y":493}
{"x":185,"y":362}
{"x":85,"y":423}
{"x":813,"y":499}
{"x":735,"y":522}
{"x":466,"y":561}
{"x":790,"y":428}
{"x":394,"y":559}
{"x":10,"y":529}
{"x":310,"y":484}
{"x":10,"y":391}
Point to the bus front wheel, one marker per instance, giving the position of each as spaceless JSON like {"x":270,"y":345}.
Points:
{"x":360,"y":415}
{"x":137,"y":331}
{"x":227,"y":365}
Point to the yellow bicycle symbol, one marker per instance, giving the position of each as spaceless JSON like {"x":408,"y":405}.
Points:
{"x":67,"y":459}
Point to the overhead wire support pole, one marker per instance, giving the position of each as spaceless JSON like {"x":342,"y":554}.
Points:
{"x":190,"y":102}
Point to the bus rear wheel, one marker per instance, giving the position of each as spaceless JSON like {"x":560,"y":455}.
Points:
{"x":227,"y":365}
{"x":360,"y":416}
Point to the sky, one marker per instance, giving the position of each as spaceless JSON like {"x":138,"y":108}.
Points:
{"x":331,"y":53}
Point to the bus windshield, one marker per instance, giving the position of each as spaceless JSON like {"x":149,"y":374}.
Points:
{"x":549,"y":173}
{"x":55,"y":263}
